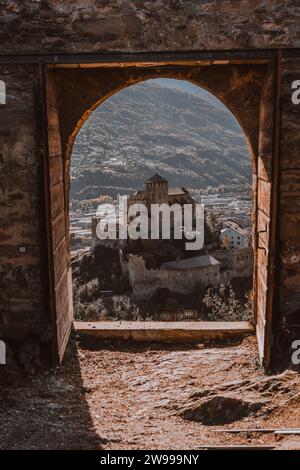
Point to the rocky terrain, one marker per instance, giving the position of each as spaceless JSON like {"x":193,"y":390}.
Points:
{"x":184,"y":133}
{"x":128,"y":396}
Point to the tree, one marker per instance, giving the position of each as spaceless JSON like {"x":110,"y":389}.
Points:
{"x":226,"y":242}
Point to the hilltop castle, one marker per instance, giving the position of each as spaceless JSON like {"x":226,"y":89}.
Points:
{"x":157,"y":191}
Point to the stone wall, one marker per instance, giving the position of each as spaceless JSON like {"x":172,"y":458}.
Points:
{"x":287,"y":313}
{"x":138,"y":25}
{"x":235,"y":263}
{"x":145,"y":282}
{"x":22,"y":240}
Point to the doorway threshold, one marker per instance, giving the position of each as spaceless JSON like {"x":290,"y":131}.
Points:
{"x":161,"y":331}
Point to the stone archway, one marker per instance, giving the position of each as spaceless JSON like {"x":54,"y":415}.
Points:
{"x":74,"y":91}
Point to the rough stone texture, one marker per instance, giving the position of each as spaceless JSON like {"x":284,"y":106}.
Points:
{"x":22,"y":303}
{"x":289,"y":262}
{"x":129,"y":396}
{"x":156,"y":25}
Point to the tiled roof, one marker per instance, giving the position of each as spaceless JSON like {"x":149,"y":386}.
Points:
{"x":176,"y":191}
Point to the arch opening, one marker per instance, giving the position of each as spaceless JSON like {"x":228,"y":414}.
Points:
{"x":188,"y":137}
{"x":246,"y":88}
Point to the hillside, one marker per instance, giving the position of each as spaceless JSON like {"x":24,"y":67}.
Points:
{"x":189,"y":138}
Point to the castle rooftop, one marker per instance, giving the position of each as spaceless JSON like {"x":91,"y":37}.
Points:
{"x":156,"y":178}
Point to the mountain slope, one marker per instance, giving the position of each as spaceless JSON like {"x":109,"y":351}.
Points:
{"x":189,"y":139}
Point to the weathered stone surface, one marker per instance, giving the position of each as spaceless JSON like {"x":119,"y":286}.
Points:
{"x":21,"y":282}
{"x":156,"y":25}
{"x":288,"y":260}
{"x":290,"y":187}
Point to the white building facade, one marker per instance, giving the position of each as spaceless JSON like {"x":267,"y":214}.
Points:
{"x":234,"y":238}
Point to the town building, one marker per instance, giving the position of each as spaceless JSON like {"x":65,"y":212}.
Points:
{"x":236,"y":262}
{"x":234,"y":235}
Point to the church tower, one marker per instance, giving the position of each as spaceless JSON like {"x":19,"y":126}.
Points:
{"x":156,"y":189}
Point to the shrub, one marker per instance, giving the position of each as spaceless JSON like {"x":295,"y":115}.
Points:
{"x":88,"y":292}
{"x":222,"y":304}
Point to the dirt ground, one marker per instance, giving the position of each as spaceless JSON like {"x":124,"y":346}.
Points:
{"x":124,"y":396}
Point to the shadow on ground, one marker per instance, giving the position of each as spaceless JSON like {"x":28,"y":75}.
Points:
{"x":47,"y":410}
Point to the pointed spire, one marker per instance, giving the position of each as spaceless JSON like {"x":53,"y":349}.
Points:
{"x":156,"y":178}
